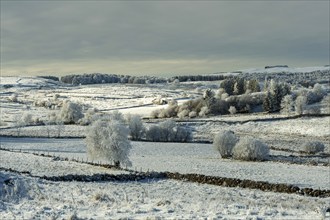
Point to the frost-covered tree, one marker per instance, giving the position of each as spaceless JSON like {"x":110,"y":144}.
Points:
{"x":228,"y":85}
{"x":250,"y":149}
{"x":274,"y":95}
{"x":167,"y":130}
{"x":136,"y":127}
{"x":318,"y":93}
{"x":108,"y":140}
{"x":70,"y":112}
{"x":209,"y":101}
{"x":300,"y":104}
{"x":89,"y":117}
{"x":239,"y":86}
{"x":326,"y":103}
{"x":153,"y":133}
{"x":182,"y":134}
{"x":18,"y":123}
{"x":267,"y":104}
{"x":59,"y":128}
{"x":224,"y":143}
{"x":287,"y":104}
{"x":252,"y":85}
{"x":116,"y":116}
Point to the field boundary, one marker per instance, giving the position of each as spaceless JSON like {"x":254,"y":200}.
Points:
{"x":190,"y":177}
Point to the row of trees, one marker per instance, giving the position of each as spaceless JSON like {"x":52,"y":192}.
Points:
{"x":98,"y":78}
{"x":276,"y":97}
{"x":239,"y":86}
{"x":187,"y":78}
{"x":211,"y":103}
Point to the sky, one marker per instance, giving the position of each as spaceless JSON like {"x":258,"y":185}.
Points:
{"x":161,"y":37}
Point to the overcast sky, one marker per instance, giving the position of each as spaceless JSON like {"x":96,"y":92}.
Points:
{"x":162,"y":37}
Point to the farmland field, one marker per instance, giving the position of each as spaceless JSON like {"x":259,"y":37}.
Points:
{"x":31,"y":153}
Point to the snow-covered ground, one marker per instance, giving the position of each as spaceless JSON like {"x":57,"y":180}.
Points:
{"x":24,"y":197}
{"x":39,"y":199}
{"x":174,"y":157}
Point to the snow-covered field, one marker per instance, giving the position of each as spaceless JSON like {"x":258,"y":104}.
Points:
{"x":38,"y":199}
{"x":26,"y":197}
{"x":173,"y":157}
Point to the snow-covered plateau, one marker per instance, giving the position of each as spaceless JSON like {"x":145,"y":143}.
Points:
{"x":32,"y":153}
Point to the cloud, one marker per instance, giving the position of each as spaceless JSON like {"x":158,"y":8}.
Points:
{"x":147,"y":36}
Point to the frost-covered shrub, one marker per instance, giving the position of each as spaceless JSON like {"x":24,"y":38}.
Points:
{"x":89,"y":117}
{"x":224,"y":96}
{"x":170,"y":111}
{"x":204,"y":111}
{"x":313,"y":147}
{"x":136,"y":127}
{"x":155,"y":113}
{"x":23,"y":120}
{"x":108,"y":140}
{"x":13,"y":97}
{"x":70,"y":112}
{"x":52,"y":118}
{"x":168,"y":131}
{"x":313,"y":95}
{"x":182,"y":114}
{"x":192,"y":114}
{"x":224,"y":143}
{"x":232,"y":110}
{"x":16,"y":189}
{"x":219,"y":93}
{"x":250,"y":149}
{"x":27,"y":119}
{"x":245,"y":102}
